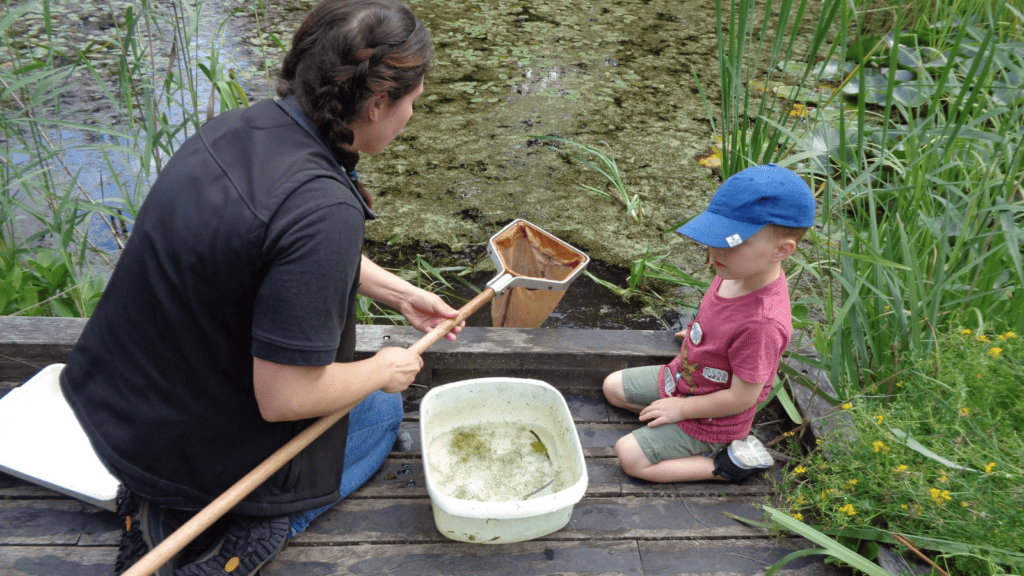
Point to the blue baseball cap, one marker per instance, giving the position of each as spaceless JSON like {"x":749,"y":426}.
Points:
{"x":747,"y":201}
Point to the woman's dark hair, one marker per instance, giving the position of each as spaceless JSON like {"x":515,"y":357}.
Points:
{"x":345,"y":53}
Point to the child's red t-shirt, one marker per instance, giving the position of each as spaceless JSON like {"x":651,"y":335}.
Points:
{"x":742,"y":336}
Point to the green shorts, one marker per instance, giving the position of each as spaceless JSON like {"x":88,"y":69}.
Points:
{"x":665,"y":442}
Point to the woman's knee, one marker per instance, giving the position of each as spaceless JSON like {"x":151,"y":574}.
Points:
{"x":379,"y":408}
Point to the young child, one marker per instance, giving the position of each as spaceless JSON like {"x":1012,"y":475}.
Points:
{"x":699,"y":408}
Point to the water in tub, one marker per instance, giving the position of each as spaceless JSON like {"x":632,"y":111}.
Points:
{"x":496,"y":462}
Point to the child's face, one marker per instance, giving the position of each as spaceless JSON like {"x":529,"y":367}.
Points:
{"x":758,"y":255}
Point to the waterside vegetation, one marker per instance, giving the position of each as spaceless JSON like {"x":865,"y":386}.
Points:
{"x":906,"y":119}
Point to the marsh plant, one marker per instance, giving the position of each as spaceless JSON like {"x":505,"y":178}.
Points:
{"x":910,"y":133}
{"x":600,"y":160}
{"x":936,"y":463}
{"x":140,"y":66}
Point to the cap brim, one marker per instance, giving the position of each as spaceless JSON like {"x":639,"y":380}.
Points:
{"x":718,"y":231}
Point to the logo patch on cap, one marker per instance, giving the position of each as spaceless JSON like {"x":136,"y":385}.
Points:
{"x":734,"y":240}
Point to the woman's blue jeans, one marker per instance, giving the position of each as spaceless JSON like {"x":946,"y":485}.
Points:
{"x":372,"y":429}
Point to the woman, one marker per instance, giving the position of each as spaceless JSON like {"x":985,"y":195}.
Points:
{"x":229,"y":321}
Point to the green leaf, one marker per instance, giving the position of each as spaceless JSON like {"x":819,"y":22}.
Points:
{"x":794,"y":556}
{"x":831,"y":547}
{"x":789,"y":406}
{"x":916,"y":446}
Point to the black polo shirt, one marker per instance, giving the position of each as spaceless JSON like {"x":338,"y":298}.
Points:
{"x":248,"y":244}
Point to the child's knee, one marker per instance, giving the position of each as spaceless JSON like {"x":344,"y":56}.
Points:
{"x":612,"y":388}
{"x":631,"y":456}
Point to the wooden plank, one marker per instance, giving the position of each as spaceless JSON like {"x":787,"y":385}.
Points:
{"x":566,"y":355}
{"x":657,"y":558}
{"x":378,"y":520}
{"x":404,"y":478}
{"x":55,"y":523}
{"x":622,"y":518}
{"x":57,"y":560}
{"x":27,"y":345}
{"x":531,"y":558}
{"x":730,"y":557}
{"x":644,"y":558}
{"x":14,"y":487}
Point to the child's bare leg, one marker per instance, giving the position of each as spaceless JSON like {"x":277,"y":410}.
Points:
{"x":635,"y":463}
{"x":615,"y":395}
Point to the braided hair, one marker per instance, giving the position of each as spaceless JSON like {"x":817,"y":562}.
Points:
{"x":345,"y":53}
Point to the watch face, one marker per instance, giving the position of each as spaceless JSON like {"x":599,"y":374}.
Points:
{"x":696,"y":334}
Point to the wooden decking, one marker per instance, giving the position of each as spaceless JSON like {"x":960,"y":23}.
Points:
{"x":622,"y":525}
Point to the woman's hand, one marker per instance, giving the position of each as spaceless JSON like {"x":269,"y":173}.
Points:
{"x":425,"y":310}
{"x":399,"y":367}
{"x":663,"y":411}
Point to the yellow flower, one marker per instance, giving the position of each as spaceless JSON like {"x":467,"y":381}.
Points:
{"x":798,"y":516}
{"x":989,"y":467}
{"x":900,"y":383}
{"x":995,"y":351}
{"x":939,"y":496}
{"x":880,"y":446}
{"x":799,"y":469}
{"x":965,"y":411}
{"x":848,"y":509}
{"x":879,"y":418}
{"x":846,"y":406}
{"x":942,"y":476}
{"x":798,"y":110}
{"x":963,"y":503}
{"x":904,"y":506}
{"x":982,"y":338}
{"x":1007,"y":336}
{"x":902,"y":468}
{"x":965,"y":332}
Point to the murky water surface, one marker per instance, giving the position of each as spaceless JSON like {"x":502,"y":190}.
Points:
{"x":497,"y":462}
{"x":615,"y":73}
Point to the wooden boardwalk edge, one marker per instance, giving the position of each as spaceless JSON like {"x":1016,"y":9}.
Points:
{"x":621,"y":526}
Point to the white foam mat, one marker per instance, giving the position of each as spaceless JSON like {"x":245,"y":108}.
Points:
{"x":42,"y":442}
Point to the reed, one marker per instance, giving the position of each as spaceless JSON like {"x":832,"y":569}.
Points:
{"x":910,"y":135}
{"x":147,"y":75}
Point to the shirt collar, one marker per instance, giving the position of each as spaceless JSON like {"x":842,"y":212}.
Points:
{"x":291,"y":105}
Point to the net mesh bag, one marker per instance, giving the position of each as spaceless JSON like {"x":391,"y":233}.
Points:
{"x":525,"y":250}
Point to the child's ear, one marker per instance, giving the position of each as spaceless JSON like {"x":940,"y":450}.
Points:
{"x":785,"y":249}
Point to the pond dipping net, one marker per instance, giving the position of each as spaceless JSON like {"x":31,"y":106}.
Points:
{"x":529,"y":253}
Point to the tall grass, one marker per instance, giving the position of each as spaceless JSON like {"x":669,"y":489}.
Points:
{"x":911,"y":136}
{"x":920,"y":190}
{"x":146,"y":73}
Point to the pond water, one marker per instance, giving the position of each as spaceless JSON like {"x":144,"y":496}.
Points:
{"x":621,"y":75}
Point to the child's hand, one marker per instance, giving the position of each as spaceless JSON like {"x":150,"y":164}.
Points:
{"x":663,"y":411}
{"x":680,"y":335}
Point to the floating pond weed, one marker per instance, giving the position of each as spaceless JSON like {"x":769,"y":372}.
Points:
{"x":495,"y":462}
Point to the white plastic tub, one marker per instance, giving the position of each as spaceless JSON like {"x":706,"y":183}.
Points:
{"x":504,"y":410}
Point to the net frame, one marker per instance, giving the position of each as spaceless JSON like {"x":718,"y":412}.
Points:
{"x":537,"y":268}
